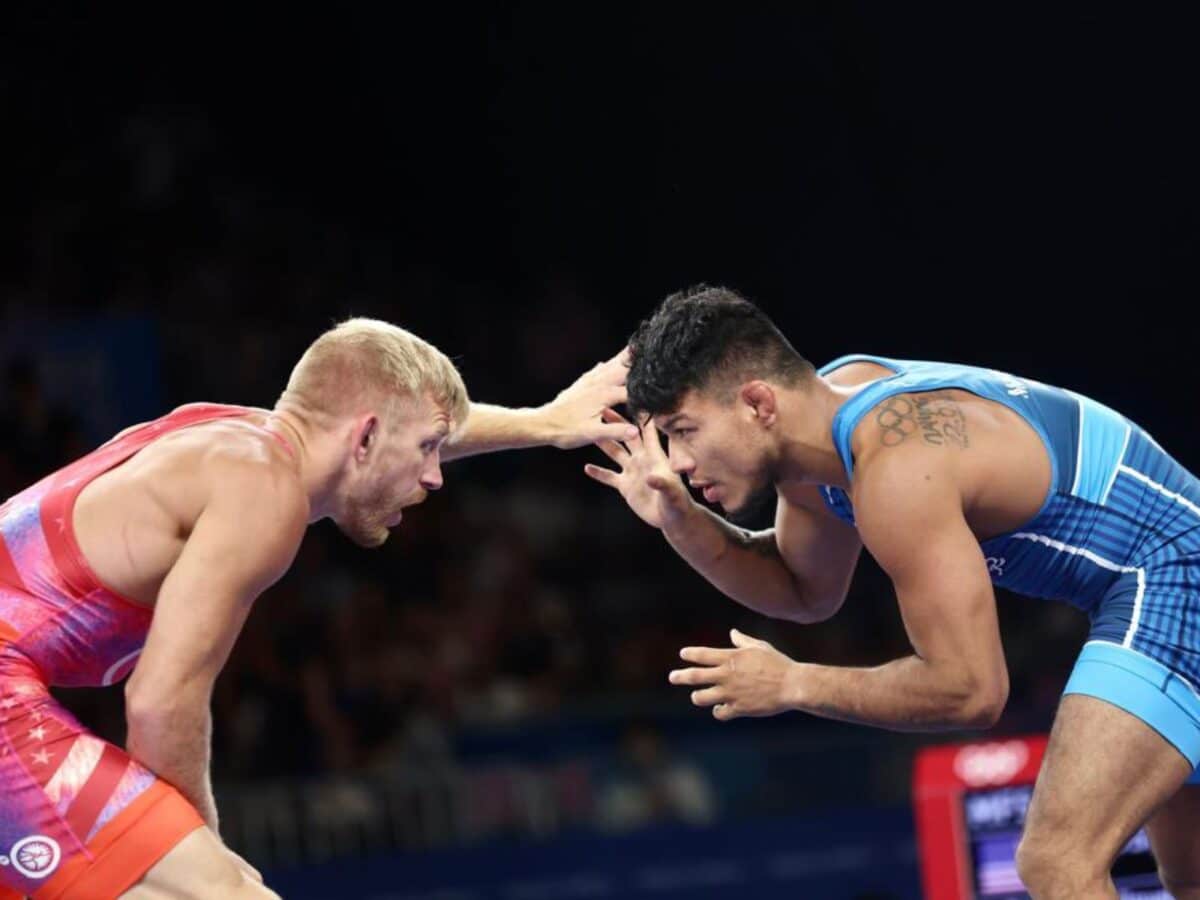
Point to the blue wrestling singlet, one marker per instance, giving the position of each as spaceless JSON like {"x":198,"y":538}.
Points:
{"x":1118,"y":536}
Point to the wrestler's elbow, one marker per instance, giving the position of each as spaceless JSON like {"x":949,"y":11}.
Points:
{"x":150,"y":701}
{"x":145,"y":713}
{"x":808,"y":605}
{"x":983,"y":707}
{"x":810,"y":612}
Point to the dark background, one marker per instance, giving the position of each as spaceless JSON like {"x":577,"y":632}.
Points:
{"x":189,"y":199}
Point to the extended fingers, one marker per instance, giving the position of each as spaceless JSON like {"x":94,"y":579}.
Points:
{"x":617,"y":367}
{"x":608,"y":414}
{"x":709,"y":696}
{"x":705,"y":656}
{"x":630,"y":433}
{"x":709,"y":680}
{"x":613,"y":451}
{"x":707,"y":675}
{"x":650,"y":437}
{"x":602,"y":475}
{"x":725,"y":711}
{"x":612,"y":395}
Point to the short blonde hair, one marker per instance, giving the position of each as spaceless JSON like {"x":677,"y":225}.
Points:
{"x":364,"y":357}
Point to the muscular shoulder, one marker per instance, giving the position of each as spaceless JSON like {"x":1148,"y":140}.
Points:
{"x":246,"y":469}
{"x":936,"y":421}
{"x":223,"y":468}
{"x":907,"y":447}
{"x":255,"y":510}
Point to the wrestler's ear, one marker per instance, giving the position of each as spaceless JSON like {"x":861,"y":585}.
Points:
{"x":760,"y":400}
{"x":366,"y":434}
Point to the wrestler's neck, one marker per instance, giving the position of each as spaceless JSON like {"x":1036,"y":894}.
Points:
{"x":805,"y":453}
{"x":320,"y":455}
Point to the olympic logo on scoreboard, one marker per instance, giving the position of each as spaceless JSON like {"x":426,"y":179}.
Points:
{"x":982,"y":764}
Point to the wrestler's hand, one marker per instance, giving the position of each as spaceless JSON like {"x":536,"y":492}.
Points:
{"x":645,"y":479}
{"x":573,"y":418}
{"x":750,"y":679}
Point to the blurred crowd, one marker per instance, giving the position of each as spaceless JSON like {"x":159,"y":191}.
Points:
{"x":519,"y":595}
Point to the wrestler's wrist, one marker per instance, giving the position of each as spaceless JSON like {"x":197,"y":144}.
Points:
{"x":555,"y":425}
{"x":795,"y":687}
{"x":544,"y":426}
{"x":684,"y":521}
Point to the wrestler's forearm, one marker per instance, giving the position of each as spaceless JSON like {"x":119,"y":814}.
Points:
{"x":908,"y":694}
{"x":174,"y":741}
{"x":490,"y":428}
{"x":744,"y":565}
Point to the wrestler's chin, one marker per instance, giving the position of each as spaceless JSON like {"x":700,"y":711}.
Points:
{"x":367,"y":536}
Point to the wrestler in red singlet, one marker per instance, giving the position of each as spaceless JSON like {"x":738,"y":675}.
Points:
{"x":78,"y":817}
{"x":369,"y":409}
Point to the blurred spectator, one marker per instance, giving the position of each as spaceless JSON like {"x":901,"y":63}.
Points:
{"x":651,"y":785}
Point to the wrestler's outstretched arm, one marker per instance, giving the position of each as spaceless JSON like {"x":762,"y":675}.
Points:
{"x":798,"y":570}
{"x":243,"y":541}
{"x":572,"y":419}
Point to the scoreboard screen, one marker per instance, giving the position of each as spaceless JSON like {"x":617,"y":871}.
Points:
{"x":971,"y":801}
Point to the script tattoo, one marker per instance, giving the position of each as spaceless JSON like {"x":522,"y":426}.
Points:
{"x":935,"y":416}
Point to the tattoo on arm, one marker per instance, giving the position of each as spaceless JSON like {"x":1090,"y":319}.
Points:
{"x":935,"y":416}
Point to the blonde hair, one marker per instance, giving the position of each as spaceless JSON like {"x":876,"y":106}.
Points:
{"x":368,"y":358}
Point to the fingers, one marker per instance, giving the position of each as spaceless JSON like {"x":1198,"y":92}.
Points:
{"x":713,"y":690}
{"x":705,"y":656}
{"x":610,"y":416}
{"x":710,"y":675}
{"x":723,"y":708}
{"x":608,"y":381}
{"x":650,"y":438}
{"x":705,"y":696}
{"x":608,"y":374}
{"x":614,"y":432}
{"x":618,"y":364}
{"x":708,"y":696}
{"x":658,"y":483}
{"x":613,"y":451}
{"x":725,"y":712}
{"x":744,"y":640}
{"x":612,"y":395}
{"x":601,"y":474}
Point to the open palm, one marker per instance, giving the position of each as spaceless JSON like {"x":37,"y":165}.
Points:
{"x":655,"y":493}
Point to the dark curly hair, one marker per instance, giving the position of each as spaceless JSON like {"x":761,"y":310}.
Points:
{"x":701,"y":337}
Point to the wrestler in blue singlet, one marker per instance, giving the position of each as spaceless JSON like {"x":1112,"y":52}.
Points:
{"x":1118,"y":536}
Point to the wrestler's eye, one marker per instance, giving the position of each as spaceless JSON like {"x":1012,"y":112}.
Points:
{"x":681,"y":432}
